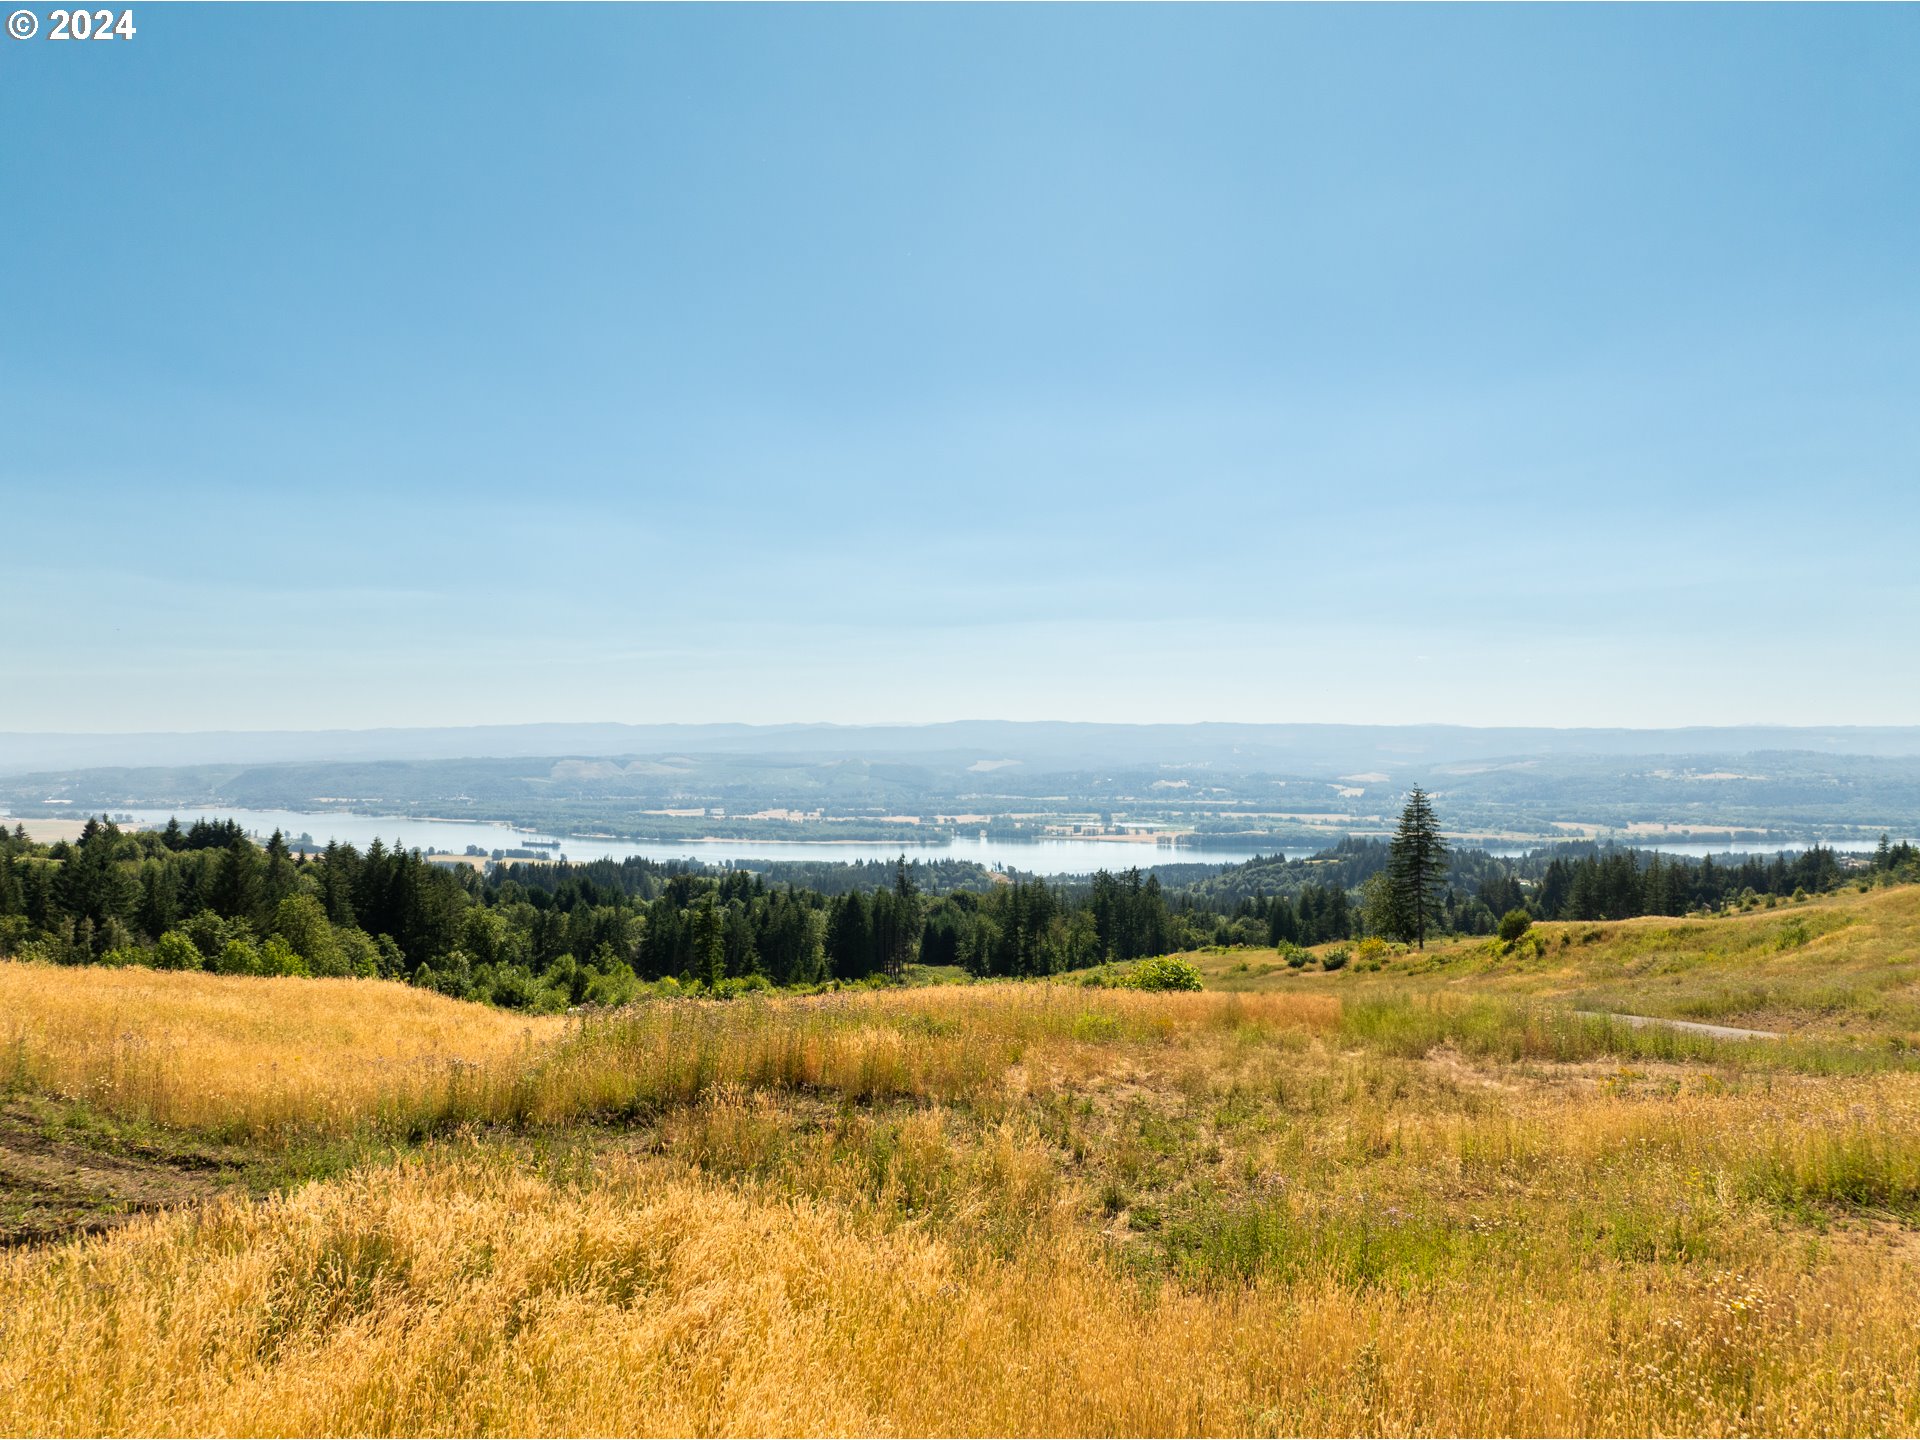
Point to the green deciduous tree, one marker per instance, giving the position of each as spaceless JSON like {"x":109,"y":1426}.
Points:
{"x":300,"y":921}
{"x":238,"y":957}
{"x":174,"y":951}
{"x":1383,"y":908}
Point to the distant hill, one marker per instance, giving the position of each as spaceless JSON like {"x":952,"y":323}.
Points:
{"x":1054,"y":745}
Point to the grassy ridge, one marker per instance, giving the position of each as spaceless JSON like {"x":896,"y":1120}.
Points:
{"x":1843,"y":967}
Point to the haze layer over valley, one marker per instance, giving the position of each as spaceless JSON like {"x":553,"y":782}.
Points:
{"x":1220,"y":787}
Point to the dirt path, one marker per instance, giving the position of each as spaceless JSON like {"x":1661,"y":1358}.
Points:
{"x":1695,"y":1027}
{"x":56,"y":1180}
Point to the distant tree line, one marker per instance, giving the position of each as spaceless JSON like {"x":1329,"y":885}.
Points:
{"x":1618,"y":884}
{"x":543,"y":937}
{"x":539,"y":936}
{"x":1344,"y":893}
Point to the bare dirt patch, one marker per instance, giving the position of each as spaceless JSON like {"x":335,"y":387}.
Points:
{"x":57,"y":1180}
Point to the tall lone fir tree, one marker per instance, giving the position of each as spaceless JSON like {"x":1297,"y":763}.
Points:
{"x":1417,"y":865}
{"x":710,"y":943}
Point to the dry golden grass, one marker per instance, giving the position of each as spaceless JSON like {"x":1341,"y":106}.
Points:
{"x":463,"y":1293}
{"x":241,"y":1054}
{"x":989,"y":1209}
{"x":931,"y":1044}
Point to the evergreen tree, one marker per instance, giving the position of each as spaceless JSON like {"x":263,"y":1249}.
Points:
{"x":850,"y":938}
{"x":710,"y":942}
{"x":902,"y":932}
{"x":159,"y":899}
{"x":280,"y":877}
{"x":1417,"y":868}
{"x":1283,"y":924}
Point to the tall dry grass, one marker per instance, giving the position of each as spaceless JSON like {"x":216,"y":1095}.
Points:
{"x":929,"y":1045}
{"x":463,"y":1293}
{"x":257,"y":1057}
{"x":239,"y":1054}
{"x":1851,"y":1141}
{"x":986,"y":1209}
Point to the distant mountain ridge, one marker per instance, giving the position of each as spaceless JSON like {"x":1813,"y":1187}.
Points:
{"x":1030,"y":743}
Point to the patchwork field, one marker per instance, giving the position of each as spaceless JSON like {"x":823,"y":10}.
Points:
{"x":1429,"y":1197}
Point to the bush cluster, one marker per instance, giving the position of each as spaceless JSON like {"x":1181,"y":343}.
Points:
{"x":1168,"y":972}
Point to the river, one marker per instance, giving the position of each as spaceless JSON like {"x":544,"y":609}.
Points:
{"x":1043,"y":857}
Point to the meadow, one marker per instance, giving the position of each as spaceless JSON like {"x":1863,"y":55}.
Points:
{"x":1438,"y":1193}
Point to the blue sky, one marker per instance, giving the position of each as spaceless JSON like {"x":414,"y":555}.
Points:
{"x":368,"y":366}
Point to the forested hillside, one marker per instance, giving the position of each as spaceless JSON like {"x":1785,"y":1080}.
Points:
{"x":544,"y":937}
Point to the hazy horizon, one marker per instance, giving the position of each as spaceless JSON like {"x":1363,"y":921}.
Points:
{"x":1057,"y":745}
{"x":1222,"y":721}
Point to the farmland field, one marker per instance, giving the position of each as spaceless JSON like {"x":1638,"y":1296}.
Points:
{"x":1417,"y":1193}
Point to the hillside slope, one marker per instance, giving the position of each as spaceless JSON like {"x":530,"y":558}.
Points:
{"x":1843,"y":967}
{"x":1428,"y":1197}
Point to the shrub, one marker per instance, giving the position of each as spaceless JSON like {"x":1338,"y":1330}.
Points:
{"x":277,"y":957}
{"x":1165,"y":973}
{"x":1093,"y":1028}
{"x":1336,"y":958}
{"x":1514,"y":924}
{"x":1372,"y":950}
{"x":174,"y":951}
{"x":210,"y":934}
{"x":238,"y":957}
{"x":514,"y":987}
{"x":1296,"y":957}
{"x":616,"y":985}
{"x":362,"y":956}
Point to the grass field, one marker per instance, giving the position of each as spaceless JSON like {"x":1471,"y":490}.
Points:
{"x":1427,"y":1197}
{"x":1841,"y":967}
